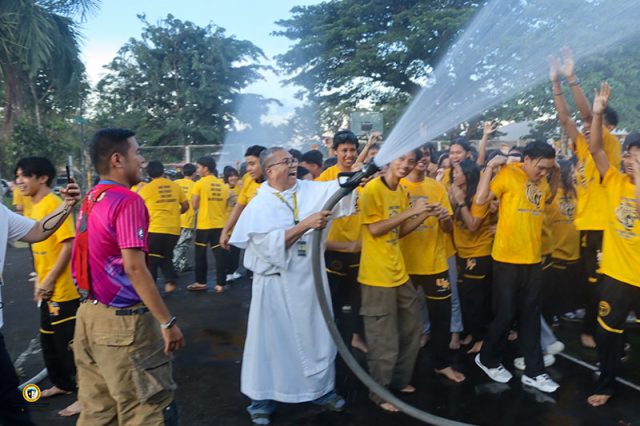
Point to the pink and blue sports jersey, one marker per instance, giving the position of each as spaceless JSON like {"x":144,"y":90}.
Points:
{"x":119,"y":220}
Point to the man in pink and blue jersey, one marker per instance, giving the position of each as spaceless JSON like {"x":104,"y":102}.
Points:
{"x":124,"y":332}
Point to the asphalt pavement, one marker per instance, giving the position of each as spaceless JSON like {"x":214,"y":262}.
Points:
{"x":207,"y":371}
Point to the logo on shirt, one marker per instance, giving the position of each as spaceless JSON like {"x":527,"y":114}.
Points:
{"x":626,"y":214}
{"x":567,"y":207}
{"x":581,"y":179}
{"x":534,"y":194}
{"x":140,"y":234}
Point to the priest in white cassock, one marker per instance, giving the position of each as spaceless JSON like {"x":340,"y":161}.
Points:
{"x":288,"y":354}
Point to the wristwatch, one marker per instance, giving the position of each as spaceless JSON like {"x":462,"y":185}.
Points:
{"x":169,"y":323}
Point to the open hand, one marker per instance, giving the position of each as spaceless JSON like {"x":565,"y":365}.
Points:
{"x":601,"y":99}
{"x":554,"y":69}
{"x":568,"y":67}
{"x":489,"y":128}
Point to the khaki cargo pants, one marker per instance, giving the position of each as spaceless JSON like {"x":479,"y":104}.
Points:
{"x":124,"y":377}
{"x":392,"y":329}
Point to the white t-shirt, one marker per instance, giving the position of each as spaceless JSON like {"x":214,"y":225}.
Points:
{"x":12,"y":227}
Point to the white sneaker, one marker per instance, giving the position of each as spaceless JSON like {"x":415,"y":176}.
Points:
{"x":555,"y":348}
{"x":541,"y":382}
{"x":547,"y":359}
{"x":498,"y":374}
{"x":233,"y":277}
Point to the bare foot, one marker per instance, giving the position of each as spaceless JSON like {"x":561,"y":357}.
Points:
{"x":454,"y":344}
{"x":587,"y":341}
{"x":477,"y":346}
{"x":451,"y":374}
{"x":513,"y":336}
{"x":53,"y":391}
{"x":598,"y":400}
{"x":72,"y":410}
{"x":408,"y":389}
{"x":358,"y":342}
{"x":467,"y":340}
{"x":389,"y":407}
{"x":424,"y":338}
{"x":170,"y":287}
{"x":219,"y":289}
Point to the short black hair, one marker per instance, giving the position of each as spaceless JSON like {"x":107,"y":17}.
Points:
{"x":38,"y":167}
{"x":329,"y":162}
{"x":208,"y":162}
{"x":155,"y":169}
{"x":254,"y":151}
{"x":188,"y":169}
{"x":314,"y":157}
{"x":345,"y":136}
{"x":419,"y":154}
{"x":611,"y":116}
{"x":296,"y":154}
{"x":106,"y":142}
{"x":538,"y":149}
{"x":632,"y":140}
{"x":301,"y":172}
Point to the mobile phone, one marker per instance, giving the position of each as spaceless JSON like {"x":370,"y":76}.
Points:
{"x":69,"y":176}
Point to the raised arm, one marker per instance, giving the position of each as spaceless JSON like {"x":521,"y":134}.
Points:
{"x":595,"y":143}
{"x":462,"y":210}
{"x":483,"y":193}
{"x":561,"y":104}
{"x":44,"y":228}
{"x":568,"y":69}
{"x":373,"y":138}
{"x":488,"y":129}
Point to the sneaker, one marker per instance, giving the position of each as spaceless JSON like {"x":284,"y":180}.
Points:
{"x":541,"y":382}
{"x":570,"y":317}
{"x":498,"y":374}
{"x":233,"y":277}
{"x":548,"y":360}
{"x":555,"y":348}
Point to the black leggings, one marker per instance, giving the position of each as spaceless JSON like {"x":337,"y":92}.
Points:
{"x":474,"y":285}
{"x":206,"y":238}
{"x":161,"y":255}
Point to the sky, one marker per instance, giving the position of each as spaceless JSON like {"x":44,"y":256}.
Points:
{"x":116,"y":22}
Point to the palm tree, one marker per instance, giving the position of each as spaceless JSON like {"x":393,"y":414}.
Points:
{"x":38,"y":38}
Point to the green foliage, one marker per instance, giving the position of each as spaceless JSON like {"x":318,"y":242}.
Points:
{"x":178,"y":83}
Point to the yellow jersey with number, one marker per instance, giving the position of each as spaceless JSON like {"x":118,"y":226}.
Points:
{"x":214,"y":200}
{"x":518,"y":237}
{"x":46,"y":253}
{"x":344,"y":229}
{"x":163,"y":199}
{"x":381,"y":262}
{"x":621,"y":243}
{"x":425,"y":249}
{"x":592,"y":198}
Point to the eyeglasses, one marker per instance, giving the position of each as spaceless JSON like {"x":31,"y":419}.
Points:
{"x":289,"y":162}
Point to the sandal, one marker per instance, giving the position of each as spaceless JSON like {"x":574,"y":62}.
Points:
{"x":197,"y":287}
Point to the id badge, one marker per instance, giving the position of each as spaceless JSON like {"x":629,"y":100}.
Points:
{"x":301,"y":248}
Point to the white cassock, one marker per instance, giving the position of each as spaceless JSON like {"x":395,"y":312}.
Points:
{"x":288,"y":354}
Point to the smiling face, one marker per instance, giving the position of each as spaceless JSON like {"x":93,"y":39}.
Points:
{"x":403,"y":165}
{"x":281,"y":170}
{"x":133,"y":164}
{"x":29,"y":185}
{"x":346,"y":153}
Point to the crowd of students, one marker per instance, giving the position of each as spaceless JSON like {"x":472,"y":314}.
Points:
{"x":470,"y":248}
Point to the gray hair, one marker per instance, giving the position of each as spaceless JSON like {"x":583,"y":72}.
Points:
{"x":265,"y":157}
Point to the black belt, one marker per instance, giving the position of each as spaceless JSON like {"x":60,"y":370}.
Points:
{"x":135,"y":311}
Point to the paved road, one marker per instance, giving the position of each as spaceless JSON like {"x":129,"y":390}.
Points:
{"x":208,"y":372}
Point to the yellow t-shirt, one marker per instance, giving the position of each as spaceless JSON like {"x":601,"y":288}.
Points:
{"x":344,"y":229}
{"x":381,"y":262}
{"x":163,"y":199}
{"x":45,"y":253}
{"x":621,"y":244}
{"x":592,"y":198}
{"x":522,"y":202}
{"x":186,"y":218}
{"x":214,"y":201}
{"x":566,"y":238}
{"x":474,"y":244}
{"x":424,"y":250}
{"x":248,"y":190}
{"x":19,"y":199}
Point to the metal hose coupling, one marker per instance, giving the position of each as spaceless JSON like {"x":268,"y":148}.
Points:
{"x":351,"y":180}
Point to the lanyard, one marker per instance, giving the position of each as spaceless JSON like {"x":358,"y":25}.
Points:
{"x":293,"y":209}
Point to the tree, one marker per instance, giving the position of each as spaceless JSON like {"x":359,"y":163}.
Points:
{"x":178,"y":83}
{"x":377,"y":52}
